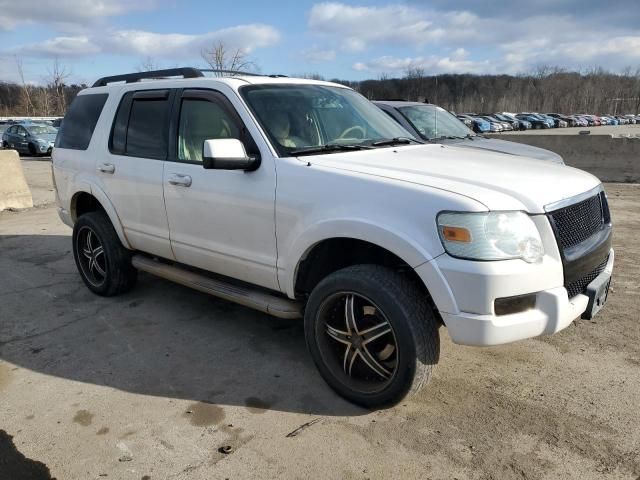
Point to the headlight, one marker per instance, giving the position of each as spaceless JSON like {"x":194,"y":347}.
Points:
{"x":490,"y":236}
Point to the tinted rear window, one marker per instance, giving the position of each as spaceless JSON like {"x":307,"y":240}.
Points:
{"x":146,"y":135}
{"x":140,"y":127}
{"x":80,"y":121}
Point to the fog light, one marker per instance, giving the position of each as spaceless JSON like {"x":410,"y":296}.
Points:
{"x":516,"y":304}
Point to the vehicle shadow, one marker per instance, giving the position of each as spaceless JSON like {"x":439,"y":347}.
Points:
{"x":161,"y":339}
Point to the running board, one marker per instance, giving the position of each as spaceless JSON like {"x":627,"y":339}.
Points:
{"x":247,"y":296}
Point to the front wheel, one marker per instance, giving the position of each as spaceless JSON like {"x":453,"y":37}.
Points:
{"x":372,"y":334}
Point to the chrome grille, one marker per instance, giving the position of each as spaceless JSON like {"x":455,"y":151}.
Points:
{"x":577,"y":222}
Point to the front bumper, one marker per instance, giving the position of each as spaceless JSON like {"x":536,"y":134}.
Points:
{"x":468,"y":290}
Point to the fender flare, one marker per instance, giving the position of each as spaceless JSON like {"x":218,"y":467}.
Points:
{"x":398,"y":244}
{"x":108,"y":207}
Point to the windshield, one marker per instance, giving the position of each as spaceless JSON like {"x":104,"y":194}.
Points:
{"x":297,"y":117}
{"x":42,"y":129}
{"x":434,"y":122}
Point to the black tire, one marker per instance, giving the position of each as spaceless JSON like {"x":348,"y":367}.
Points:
{"x":389,"y":296}
{"x":32,"y":150}
{"x":107,"y":272}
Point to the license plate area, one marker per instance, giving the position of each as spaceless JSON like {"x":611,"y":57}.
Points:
{"x":597,"y":291}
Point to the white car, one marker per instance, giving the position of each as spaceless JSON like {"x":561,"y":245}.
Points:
{"x":301,"y":198}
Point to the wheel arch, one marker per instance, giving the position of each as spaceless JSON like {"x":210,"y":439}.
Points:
{"x":91,"y":198}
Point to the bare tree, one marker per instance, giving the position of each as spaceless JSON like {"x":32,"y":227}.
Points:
{"x":220,"y":57}
{"x":57,"y":76}
{"x":415,"y":78}
{"x":26,"y":89}
{"x":147,"y":65}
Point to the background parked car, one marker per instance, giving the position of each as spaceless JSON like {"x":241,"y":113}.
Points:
{"x":494,"y":125}
{"x":517,"y":124}
{"x":479,"y":125}
{"x":434,"y":124}
{"x":536,"y":123}
{"x":569,"y":121}
{"x":507,"y":125}
{"x":30,"y":138}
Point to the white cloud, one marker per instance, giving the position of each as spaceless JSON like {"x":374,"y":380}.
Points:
{"x":162,"y":45}
{"x":456,"y":62}
{"x":509,"y":42}
{"x":357,"y":28}
{"x":76,"y":46}
{"x":66,"y":12}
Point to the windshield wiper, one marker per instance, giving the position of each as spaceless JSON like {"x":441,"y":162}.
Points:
{"x":394,"y":141}
{"x":329,"y":147}
{"x":448,"y":137}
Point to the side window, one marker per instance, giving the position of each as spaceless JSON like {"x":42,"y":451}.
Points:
{"x":147,"y":131}
{"x":80,"y":121}
{"x":140,"y":127}
{"x":201,"y":120}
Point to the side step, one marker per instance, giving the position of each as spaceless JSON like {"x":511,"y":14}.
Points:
{"x":253,"y":298}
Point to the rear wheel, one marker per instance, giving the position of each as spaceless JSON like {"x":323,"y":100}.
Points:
{"x":372,"y":334}
{"x":103,"y":262}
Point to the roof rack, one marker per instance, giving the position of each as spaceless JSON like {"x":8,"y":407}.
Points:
{"x":232,"y":72}
{"x":185,"y":72}
{"x":239,"y":72}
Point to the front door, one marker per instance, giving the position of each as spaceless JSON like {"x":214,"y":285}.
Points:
{"x":219,"y":220}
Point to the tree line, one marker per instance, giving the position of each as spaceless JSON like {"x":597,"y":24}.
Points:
{"x":50,"y":99}
{"x":547,"y":89}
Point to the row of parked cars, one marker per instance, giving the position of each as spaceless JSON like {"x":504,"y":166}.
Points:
{"x":30,"y":137}
{"x":505,"y":121}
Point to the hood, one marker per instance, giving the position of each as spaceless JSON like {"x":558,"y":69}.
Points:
{"x":513,"y":148}
{"x":48,"y":137}
{"x":496,"y":180}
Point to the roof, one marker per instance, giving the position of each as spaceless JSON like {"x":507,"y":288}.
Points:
{"x":191,"y":76}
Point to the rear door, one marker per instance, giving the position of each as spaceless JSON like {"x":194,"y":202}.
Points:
{"x":19,"y":139}
{"x":220,"y":220}
{"x":131,"y":171}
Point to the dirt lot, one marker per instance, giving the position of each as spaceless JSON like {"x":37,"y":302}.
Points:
{"x":152,"y":384}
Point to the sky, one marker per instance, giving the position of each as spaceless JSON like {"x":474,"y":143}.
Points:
{"x":347,"y":40}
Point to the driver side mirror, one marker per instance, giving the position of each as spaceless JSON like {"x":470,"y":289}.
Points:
{"x":227,"y":154}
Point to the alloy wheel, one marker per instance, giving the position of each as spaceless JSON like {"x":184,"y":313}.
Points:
{"x":357,"y":342}
{"x":91,"y":256}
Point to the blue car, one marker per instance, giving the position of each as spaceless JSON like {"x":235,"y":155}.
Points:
{"x":548,"y":120}
{"x":479,"y":125}
{"x":30,"y":138}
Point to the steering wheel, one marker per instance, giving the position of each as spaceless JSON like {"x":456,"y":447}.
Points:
{"x":355,"y":128}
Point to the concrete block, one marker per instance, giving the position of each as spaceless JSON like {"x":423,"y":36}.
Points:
{"x":14,"y":191}
{"x":611,"y":159}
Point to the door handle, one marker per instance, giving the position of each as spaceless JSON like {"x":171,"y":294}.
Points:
{"x":180,"y":180}
{"x":107,"y":168}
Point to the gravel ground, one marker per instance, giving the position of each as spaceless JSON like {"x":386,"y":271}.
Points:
{"x":153,"y":384}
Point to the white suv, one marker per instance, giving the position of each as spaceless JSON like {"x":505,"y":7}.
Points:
{"x":301,"y":198}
